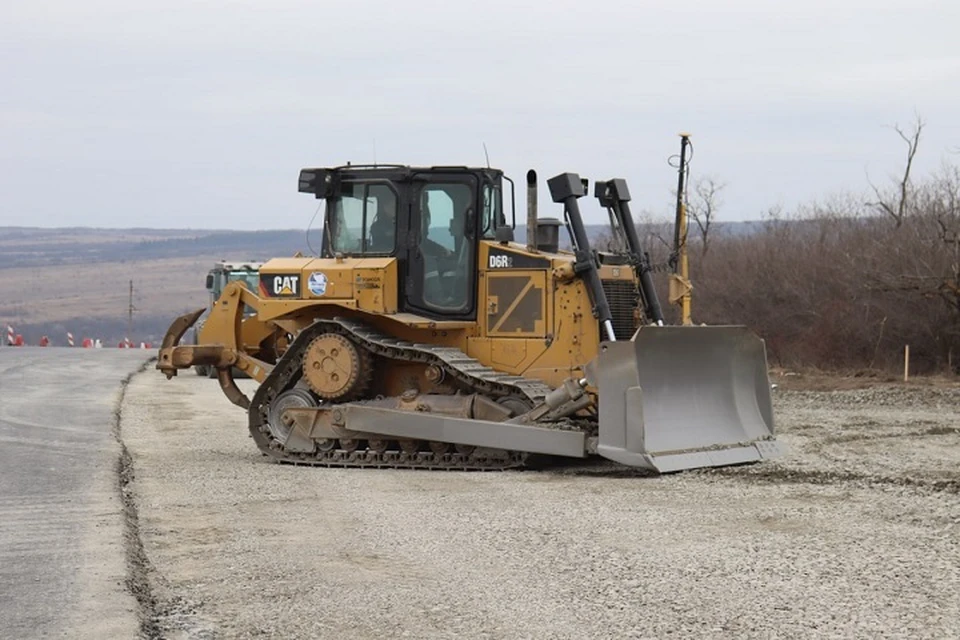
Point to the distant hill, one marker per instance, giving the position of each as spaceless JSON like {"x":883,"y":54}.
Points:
{"x":78,"y":279}
{"x":28,"y":247}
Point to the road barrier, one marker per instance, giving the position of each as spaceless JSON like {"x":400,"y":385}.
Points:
{"x":14,"y":339}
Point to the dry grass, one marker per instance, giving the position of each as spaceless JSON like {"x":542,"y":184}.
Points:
{"x":53,"y":294}
{"x":817,"y":380}
{"x":79,"y":278}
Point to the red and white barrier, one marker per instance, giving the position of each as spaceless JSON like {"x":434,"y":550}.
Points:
{"x":16,"y":340}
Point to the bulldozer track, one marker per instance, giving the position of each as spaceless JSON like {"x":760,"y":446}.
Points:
{"x":468,"y":373}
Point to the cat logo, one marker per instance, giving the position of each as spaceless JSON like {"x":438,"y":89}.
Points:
{"x":280,"y":285}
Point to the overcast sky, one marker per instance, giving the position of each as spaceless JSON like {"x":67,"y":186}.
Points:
{"x":201,"y":114}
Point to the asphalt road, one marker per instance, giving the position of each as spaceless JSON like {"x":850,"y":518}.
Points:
{"x":62,"y":548}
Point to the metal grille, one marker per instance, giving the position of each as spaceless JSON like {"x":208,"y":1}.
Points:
{"x":623,"y":298}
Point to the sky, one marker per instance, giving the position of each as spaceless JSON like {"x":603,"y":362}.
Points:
{"x":201,"y":114}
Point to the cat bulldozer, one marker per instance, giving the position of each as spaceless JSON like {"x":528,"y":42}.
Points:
{"x":424,"y":336}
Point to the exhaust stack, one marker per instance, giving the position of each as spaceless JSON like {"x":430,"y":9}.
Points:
{"x":531,"y":210}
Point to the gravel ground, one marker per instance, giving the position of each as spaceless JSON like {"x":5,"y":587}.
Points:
{"x":856,"y":533}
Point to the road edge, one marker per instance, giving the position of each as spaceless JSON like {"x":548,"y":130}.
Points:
{"x":138,"y":565}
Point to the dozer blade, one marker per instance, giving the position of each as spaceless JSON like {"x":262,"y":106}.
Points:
{"x":675,"y":398}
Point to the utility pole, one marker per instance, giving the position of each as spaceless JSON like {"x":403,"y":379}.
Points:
{"x":680,"y":286}
{"x":130,"y":310}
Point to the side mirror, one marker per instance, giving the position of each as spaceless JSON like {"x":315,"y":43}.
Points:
{"x":209,"y":282}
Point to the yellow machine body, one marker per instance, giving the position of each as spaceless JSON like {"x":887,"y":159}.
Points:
{"x":547,"y":351}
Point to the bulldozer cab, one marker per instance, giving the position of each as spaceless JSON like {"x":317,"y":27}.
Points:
{"x":430,"y":219}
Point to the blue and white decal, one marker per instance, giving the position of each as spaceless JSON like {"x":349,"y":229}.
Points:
{"x":317,"y":283}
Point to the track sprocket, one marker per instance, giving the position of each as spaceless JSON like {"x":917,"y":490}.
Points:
{"x":335,"y":368}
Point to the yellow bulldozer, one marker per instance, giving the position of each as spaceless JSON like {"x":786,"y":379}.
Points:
{"x":424,"y":336}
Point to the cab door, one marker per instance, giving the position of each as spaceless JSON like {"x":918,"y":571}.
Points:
{"x":442,"y":272}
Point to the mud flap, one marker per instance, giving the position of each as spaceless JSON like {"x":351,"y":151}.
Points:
{"x":675,"y":398}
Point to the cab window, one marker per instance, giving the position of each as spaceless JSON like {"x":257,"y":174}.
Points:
{"x":363,"y":219}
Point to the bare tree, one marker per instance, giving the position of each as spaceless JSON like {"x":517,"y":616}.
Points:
{"x":946,"y":209}
{"x":896,"y":205}
{"x":773,"y":213}
{"x":604,"y":241}
{"x":919,"y":262}
{"x":703,"y":207}
{"x":950,"y":286}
